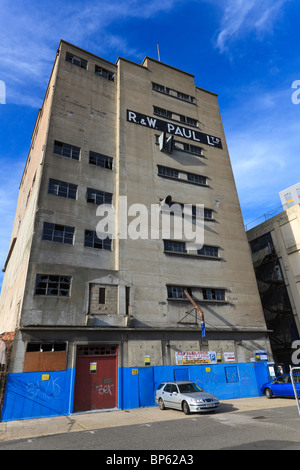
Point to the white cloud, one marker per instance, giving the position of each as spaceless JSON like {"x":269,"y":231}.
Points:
{"x":243,"y":16}
{"x":30,"y":32}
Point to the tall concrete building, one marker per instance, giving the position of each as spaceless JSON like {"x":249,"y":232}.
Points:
{"x":100,"y":320}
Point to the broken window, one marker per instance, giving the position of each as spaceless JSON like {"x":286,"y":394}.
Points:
{"x":98,"y":159}
{"x":66,"y":150}
{"x":75,"y":60}
{"x":171,"y":92}
{"x":52,"y":285}
{"x":58,"y":233}
{"x":98,"y":197}
{"x":213,"y":294}
{"x":208,"y":294}
{"x":91,"y":240}
{"x":62,"y":189}
{"x":176,"y":117}
{"x":177,"y":292}
{"x":104,"y":73}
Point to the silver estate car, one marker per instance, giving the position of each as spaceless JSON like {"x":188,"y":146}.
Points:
{"x":185,"y":395}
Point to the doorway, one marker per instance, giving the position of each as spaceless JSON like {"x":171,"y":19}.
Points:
{"x":95,"y":378}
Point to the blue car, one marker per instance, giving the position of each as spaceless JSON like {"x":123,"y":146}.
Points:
{"x":281,"y":387}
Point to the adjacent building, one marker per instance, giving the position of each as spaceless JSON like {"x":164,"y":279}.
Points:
{"x":101,"y":314}
{"x":290,"y":196}
{"x":275,"y":247}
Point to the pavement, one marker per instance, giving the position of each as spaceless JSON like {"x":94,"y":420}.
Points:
{"x":88,"y":421}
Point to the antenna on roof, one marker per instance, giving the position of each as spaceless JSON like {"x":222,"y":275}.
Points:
{"x":158,"y":51}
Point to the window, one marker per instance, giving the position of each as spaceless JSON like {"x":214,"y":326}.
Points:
{"x":208,"y":294}
{"x":41,"y":357}
{"x":98,"y":159}
{"x":176,"y":247}
{"x":183,"y":96}
{"x":73,"y":59}
{"x":97,"y":350}
{"x":184,"y":147}
{"x":52,"y":285}
{"x":101,"y":295}
{"x":175,"y":116}
{"x":180,"y":247}
{"x":213,"y":294}
{"x":171,"y":388}
{"x":104,"y":73}
{"x":157,"y":87}
{"x":212,"y":251}
{"x":171,"y":92}
{"x":182,"y":176}
{"x":196,"y":178}
{"x":164,"y":171}
{"x":208,"y":214}
{"x":45,"y":347}
{"x":92,"y":241}
{"x":62,"y":189}
{"x":58,"y":233}
{"x":177,"y":292}
{"x":66,"y":150}
{"x":98,"y":197}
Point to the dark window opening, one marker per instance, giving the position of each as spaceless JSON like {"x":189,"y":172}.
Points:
{"x":73,"y":59}
{"x":45,"y":347}
{"x":98,"y":159}
{"x":101,"y":295}
{"x":104,"y":73}
{"x":62,"y":189}
{"x":213,"y":294}
{"x":58,"y":233}
{"x":51,"y":285}
{"x":92,"y":241}
{"x":66,"y":150}
{"x":95,"y":196}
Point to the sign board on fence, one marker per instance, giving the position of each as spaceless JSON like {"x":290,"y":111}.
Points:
{"x":195,"y":357}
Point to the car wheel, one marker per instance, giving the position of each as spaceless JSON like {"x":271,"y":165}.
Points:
{"x":161,"y":404}
{"x":186,"y":408}
{"x":268,"y":393}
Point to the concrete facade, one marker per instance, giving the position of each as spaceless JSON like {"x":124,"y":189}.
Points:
{"x":63,"y":285}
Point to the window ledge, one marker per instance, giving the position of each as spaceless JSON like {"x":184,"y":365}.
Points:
{"x":181,"y":180}
{"x":193,"y":255}
{"x":208,"y":301}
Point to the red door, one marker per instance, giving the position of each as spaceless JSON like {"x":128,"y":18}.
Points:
{"x":95,"y":378}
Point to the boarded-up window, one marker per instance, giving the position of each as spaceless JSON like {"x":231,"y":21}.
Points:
{"x":45,"y":357}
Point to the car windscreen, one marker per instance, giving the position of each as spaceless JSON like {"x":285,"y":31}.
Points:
{"x":189,"y":388}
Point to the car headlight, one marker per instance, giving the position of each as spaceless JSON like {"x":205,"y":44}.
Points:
{"x":195,"y":400}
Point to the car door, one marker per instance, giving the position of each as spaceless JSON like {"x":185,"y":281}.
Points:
{"x":174,"y":397}
{"x":279,"y":386}
{"x":170,"y":396}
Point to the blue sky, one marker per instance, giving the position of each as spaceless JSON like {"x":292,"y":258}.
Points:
{"x":244,"y":50}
